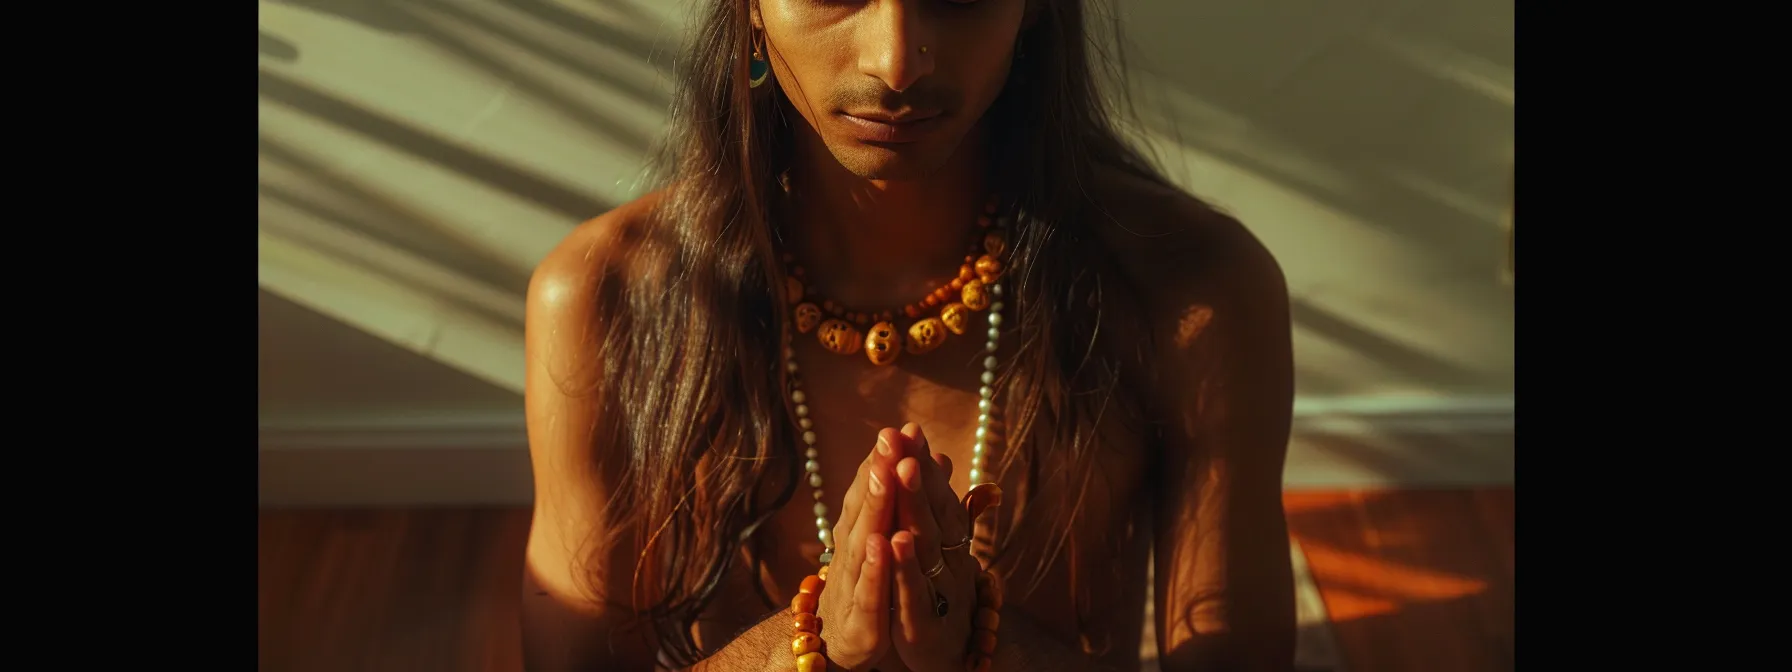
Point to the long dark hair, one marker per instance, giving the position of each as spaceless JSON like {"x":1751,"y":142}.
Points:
{"x":692,"y":336}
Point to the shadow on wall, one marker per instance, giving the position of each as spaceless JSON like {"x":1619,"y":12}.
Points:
{"x":1397,"y":113}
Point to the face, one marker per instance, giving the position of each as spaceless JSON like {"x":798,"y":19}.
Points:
{"x":891,"y":87}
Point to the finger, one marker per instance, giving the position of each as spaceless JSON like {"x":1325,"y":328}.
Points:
{"x":849,"y":510}
{"x":914,"y":514}
{"x":915,"y":618}
{"x":849,"y":504}
{"x":871,"y":594}
{"x":876,"y":511}
{"x":951,"y":525}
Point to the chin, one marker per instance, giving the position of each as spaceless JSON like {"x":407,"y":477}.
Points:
{"x":908,"y":161}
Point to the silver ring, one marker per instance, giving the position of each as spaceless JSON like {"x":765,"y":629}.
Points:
{"x":937,"y":568}
{"x":966,"y":541}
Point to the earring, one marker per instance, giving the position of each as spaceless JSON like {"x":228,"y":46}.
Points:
{"x":757,"y":69}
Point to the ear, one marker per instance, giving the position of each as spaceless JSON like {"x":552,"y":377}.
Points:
{"x":753,"y":15}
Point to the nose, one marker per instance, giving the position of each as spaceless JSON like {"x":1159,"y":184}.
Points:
{"x":894,"y":44}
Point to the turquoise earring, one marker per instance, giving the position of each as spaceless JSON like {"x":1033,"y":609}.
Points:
{"x":757,"y":69}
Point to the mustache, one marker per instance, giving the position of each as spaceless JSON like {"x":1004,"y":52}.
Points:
{"x":872,"y":93}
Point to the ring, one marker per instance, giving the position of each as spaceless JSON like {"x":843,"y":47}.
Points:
{"x":937,"y":568}
{"x":966,"y":541}
{"x":940,"y":606}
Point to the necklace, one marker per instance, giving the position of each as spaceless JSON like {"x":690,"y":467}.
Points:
{"x":982,"y":291}
{"x":947,"y":309}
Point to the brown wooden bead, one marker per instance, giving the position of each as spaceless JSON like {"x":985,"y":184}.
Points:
{"x":956,"y":317}
{"x":803,"y":603}
{"x":807,"y":623}
{"x":985,"y":640}
{"x":883,"y":344}
{"x":788,"y":257}
{"x":839,"y":337}
{"x":989,"y":591}
{"x":968,"y":271}
{"x":885,"y":316}
{"x":983,"y":221}
{"x":796,"y":271}
{"x":975,"y":296}
{"x":808,"y":317}
{"x":986,"y":619}
{"x":931,"y":301}
{"x":911,"y":310}
{"x":811,"y":662}
{"x":926,"y":335}
{"x":793,"y":290}
{"x":978,"y":664}
{"x":970,"y":258}
{"x":989,"y":269}
{"x":956,"y":284}
{"x":860,"y":320}
{"x":943,"y":294}
{"x":832,"y":308}
{"x":995,"y":242}
{"x":804,"y":642}
{"x":811,"y":584}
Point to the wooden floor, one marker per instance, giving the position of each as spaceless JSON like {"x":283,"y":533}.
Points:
{"x":1414,"y":580}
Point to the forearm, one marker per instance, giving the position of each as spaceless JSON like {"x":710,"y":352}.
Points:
{"x":762,"y":648}
{"x":1022,"y":645}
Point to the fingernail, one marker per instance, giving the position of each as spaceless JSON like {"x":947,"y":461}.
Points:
{"x":883,"y":444}
{"x":871,"y":551}
{"x":877,"y":484}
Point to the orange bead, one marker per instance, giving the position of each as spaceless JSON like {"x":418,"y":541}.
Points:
{"x":885,"y":316}
{"x":986,"y":619}
{"x":956,"y":284}
{"x":978,"y":664}
{"x":803,"y":603}
{"x":986,"y":641}
{"x":811,"y":585}
{"x":809,"y":623}
{"x":967,"y":272}
{"x":975,"y":296}
{"x":931,"y":301}
{"x":811,"y":662}
{"x":882,"y":344}
{"x":983,"y":221}
{"x":823,"y":572}
{"x":793,"y":290}
{"x":805,"y":642}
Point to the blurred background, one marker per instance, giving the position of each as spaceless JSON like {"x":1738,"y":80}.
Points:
{"x":417,"y":158}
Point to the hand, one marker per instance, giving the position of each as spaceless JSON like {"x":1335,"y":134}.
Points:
{"x":929,"y":517}
{"x":854,"y":606}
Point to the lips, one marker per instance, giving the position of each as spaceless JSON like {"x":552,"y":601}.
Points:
{"x":886,"y":127}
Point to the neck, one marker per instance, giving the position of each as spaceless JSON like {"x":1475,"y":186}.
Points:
{"x":881,"y":243}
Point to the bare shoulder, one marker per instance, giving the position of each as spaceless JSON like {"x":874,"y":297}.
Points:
{"x":566,"y":280}
{"x":1170,"y":241}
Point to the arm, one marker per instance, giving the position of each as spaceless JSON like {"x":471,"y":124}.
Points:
{"x":1224,"y":582}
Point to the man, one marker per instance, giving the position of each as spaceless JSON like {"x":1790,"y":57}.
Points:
{"x":710,"y":364}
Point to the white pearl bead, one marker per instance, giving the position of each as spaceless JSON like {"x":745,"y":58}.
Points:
{"x":977,"y":461}
{"x":989,"y":378}
{"x":983,"y":404}
{"x":791,"y":367}
{"x":995,"y":319}
{"x":982,"y":432}
{"x":817,"y":492}
{"x":826,"y":536}
{"x":983,"y":418}
{"x":821,"y":523}
{"x":812,"y":466}
{"x":805,"y":423}
{"x":995,"y":334}
{"x":976,"y":449}
{"x":814,"y":480}
{"x":976,"y":475}
{"x":990,"y":346}
{"x":812,"y":453}
{"x":989,"y":363}
{"x":802,"y":411}
{"x":995,"y":307}
{"x":799,"y":397}
{"x":986,"y":392}
{"x":790,"y":353}
{"x":996,"y":289}
{"x":821,"y":510}
{"x":809,"y":438}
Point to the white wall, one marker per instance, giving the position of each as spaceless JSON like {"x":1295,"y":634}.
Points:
{"x":417,"y":157}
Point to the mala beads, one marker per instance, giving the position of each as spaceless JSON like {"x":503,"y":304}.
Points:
{"x":946,"y":309}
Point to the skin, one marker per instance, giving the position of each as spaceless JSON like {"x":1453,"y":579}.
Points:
{"x":1203,"y":485}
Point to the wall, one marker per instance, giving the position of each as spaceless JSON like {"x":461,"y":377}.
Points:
{"x":417,"y":157}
